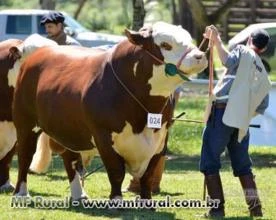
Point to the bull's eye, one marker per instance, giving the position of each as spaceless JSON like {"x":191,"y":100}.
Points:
{"x":165,"y":46}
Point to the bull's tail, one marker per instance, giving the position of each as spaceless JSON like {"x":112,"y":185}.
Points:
{"x":43,"y":155}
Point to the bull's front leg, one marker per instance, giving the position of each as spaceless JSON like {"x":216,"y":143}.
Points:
{"x":114,"y":164}
{"x":25,"y":146}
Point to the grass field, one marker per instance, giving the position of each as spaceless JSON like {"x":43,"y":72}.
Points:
{"x":181,"y":181}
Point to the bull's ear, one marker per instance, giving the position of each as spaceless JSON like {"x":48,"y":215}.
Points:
{"x":141,"y":37}
{"x":15,"y":53}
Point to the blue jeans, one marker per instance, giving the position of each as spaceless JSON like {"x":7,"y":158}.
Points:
{"x":216,"y":137}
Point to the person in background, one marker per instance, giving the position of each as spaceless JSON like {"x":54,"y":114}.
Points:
{"x":241,"y":94}
{"x":54,"y":26}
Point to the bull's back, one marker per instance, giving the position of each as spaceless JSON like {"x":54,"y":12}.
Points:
{"x":58,"y":69}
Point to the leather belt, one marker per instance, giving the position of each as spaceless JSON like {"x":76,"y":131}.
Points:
{"x":220,"y":105}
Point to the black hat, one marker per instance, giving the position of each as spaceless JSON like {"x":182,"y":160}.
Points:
{"x":260,"y":38}
{"x":52,"y":17}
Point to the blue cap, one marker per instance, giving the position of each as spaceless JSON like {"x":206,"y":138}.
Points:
{"x":52,"y":17}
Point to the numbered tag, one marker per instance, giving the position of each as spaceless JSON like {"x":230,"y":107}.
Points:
{"x":154,"y":120}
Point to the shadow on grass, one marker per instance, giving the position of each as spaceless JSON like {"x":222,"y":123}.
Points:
{"x":45,"y":195}
{"x":245,"y":218}
{"x":125,"y":214}
{"x":238,"y":218}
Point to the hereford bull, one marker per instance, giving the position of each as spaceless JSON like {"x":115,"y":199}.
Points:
{"x":7,"y":130}
{"x":114,"y":100}
{"x":12,"y":54}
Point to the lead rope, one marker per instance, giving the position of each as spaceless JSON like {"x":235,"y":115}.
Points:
{"x":210,"y":86}
{"x":130,"y":93}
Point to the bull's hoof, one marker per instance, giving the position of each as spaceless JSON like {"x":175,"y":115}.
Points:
{"x":7,"y":187}
{"x":116,"y":200}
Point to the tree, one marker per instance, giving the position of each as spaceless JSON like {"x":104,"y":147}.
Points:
{"x":202,"y":19}
{"x":80,"y":7}
{"x":138,"y":14}
{"x":47,"y":4}
{"x":5,"y":2}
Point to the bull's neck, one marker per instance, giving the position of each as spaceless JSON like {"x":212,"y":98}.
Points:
{"x":141,"y":69}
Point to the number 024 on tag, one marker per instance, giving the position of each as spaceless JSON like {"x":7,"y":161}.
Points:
{"x":154,"y":120}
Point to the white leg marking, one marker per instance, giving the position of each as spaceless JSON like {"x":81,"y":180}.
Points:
{"x":118,"y":198}
{"x":23,"y":191}
{"x":77,"y":192}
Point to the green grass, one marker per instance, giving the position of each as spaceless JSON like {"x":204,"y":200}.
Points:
{"x":181,"y":180}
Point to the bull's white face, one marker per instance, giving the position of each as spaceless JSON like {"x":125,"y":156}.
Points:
{"x":174,"y":41}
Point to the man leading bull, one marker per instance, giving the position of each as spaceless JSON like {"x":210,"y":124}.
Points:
{"x":241,"y":94}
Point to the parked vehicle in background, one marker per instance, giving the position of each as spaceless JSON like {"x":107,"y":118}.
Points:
{"x":20,"y":23}
{"x":268,"y":57}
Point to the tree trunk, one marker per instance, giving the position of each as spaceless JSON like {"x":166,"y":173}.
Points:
{"x":175,"y":15}
{"x":47,"y":4}
{"x":80,"y":7}
{"x":185,"y":17}
{"x":138,"y":14}
{"x":127,"y":20}
{"x":201,"y":18}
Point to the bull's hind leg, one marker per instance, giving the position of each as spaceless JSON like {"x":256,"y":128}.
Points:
{"x":26,"y":146}
{"x":5,"y":185}
{"x":74,"y":168}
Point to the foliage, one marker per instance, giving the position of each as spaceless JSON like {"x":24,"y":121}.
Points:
{"x":185,"y":137}
{"x":6,"y":2}
{"x":111,"y":16}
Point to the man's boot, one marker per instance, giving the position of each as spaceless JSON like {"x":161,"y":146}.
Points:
{"x":215,"y":191}
{"x":251,"y":195}
{"x":134,"y":185}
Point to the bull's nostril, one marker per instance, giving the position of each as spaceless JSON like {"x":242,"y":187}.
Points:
{"x":198,"y":57}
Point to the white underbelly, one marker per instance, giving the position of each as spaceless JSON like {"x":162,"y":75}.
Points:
{"x":138,"y":149}
{"x":7,"y":137}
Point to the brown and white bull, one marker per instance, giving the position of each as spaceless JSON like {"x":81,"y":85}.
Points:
{"x":12,"y":53}
{"x":84,"y":98}
{"x":10,"y":61}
